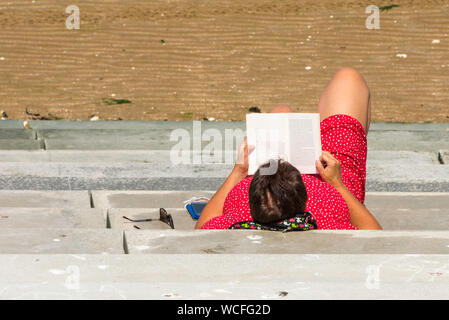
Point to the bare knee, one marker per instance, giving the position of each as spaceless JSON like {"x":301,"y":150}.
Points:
{"x":282,"y":109}
{"x":347,"y":93}
{"x":351,"y":75}
{"x":348,"y":72}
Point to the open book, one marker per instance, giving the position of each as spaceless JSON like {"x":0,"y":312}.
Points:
{"x":293,"y":137}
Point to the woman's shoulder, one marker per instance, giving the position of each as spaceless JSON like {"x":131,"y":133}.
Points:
{"x":238,"y":198}
{"x":327,"y":204}
{"x":235,"y":207}
{"x":242,"y":187}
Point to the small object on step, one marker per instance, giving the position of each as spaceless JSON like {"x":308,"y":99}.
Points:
{"x":195,"y":206}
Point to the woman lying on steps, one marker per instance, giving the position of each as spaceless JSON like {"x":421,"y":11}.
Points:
{"x":335,"y":196}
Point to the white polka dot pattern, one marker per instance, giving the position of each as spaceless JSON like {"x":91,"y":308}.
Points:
{"x":345,"y":138}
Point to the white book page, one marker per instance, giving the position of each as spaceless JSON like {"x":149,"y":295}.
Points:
{"x":267,"y":133}
{"x":304,"y":141}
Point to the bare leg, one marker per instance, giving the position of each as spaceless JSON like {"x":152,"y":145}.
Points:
{"x":347,"y":93}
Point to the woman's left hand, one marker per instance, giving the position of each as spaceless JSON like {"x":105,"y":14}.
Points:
{"x":332,"y":172}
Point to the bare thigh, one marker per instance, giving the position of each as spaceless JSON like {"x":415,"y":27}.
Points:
{"x":346,"y":93}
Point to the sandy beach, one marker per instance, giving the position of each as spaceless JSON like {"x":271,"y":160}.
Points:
{"x":196,"y":59}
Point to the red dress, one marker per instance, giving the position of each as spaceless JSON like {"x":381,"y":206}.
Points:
{"x":344,"y":137}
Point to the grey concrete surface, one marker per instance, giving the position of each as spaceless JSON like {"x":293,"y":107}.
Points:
{"x":410,"y":211}
{"x":99,"y":181}
{"x":86,"y":156}
{"x":20,"y":144}
{"x":399,"y":158}
{"x":181,"y":219}
{"x":417,"y":141}
{"x":17,"y":134}
{"x":163,"y":169}
{"x":130,"y":155}
{"x":155,"y":135}
{"x":51,"y":218}
{"x":394,"y":211}
{"x":398,"y":126}
{"x":375,"y":157}
{"x":271,"y":242}
{"x":134,"y":125}
{"x":44,"y":199}
{"x":406,"y":171}
{"x":11,"y":124}
{"x":444,"y":156}
{"x":83,"y":143}
{"x":389,"y":202}
{"x":160,"y":140}
{"x":60,"y":240}
{"x":146,"y":125}
{"x":414,"y":186}
{"x":145,"y":199}
{"x":53,"y":245}
{"x":83,"y":183}
{"x":408,"y":174}
{"x":201,"y":277}
{"x":156,"y":138}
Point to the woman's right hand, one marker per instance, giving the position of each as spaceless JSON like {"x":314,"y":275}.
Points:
{"x":242,"y":164}
{"x":329,"y":169}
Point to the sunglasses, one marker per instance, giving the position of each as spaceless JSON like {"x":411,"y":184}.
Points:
{"x":164,"y":216}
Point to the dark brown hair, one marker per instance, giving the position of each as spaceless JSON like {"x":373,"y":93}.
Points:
{"x":278,"y":196}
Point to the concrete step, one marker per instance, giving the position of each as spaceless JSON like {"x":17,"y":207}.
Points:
{"x":181,"y":219}
{"x":89,"y":156}
{"x":108,"y":241}
{"x":271,"y":242}
{"x":21,"y":144}
{"x":129,"y":135}
{"x":147,"y":125}
{"x":229,"y":276}
{"x":143,"y":170}
{"x":417,"y":141}
{"x":164,"y":176}
{"x":439,"y":184}
{"x":375,"y":157}
{"x":418,"y":211}
{"x":115,"y":170}
{"x":145,"y":199}
{"x":154,"y":125}
{"x":60,"y":240}
{"x":13,"y":217}
{"x":444,"y":156}
{"x":395,"y":211}
{"x":44,"y":199}
{"x":410,"y":211}
{"x":17,"y":134}
{"x":156,"y":138}
{"x":92,"y":183}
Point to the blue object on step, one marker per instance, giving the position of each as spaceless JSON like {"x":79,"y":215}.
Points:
{"x":195,"y":207}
